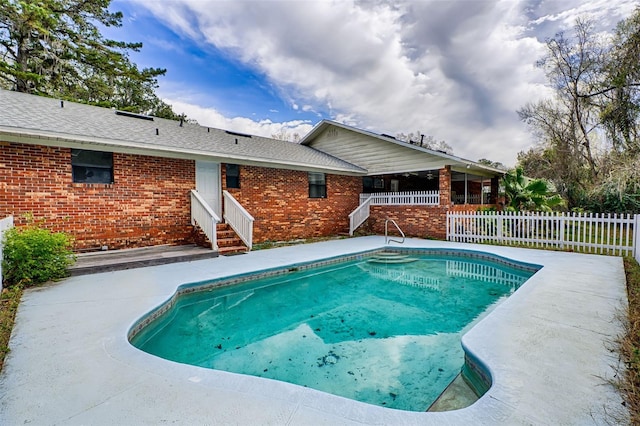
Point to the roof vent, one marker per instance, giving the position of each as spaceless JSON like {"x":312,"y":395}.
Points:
{"x":61,"y":104}
{"x":244,"y":135}
{"x":134,"y":115}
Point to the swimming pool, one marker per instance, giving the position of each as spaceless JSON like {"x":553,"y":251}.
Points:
{"x":378,"y":328}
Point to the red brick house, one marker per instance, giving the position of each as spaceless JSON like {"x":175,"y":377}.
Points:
{"x":115,"y":179}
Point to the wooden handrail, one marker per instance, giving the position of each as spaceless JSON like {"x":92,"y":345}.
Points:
{"x":359,"y":215}
{"x":238,"y":218}
{"x":203,"y":216}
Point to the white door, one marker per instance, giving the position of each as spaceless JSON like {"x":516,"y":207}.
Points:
{"x":208,"y":184}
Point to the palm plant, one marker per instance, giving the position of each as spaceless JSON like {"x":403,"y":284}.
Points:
{"x":527,"y":194}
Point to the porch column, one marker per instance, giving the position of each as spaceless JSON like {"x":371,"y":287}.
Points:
{"x":444,"y":183}
{"x":493,"y":197}
{"x":466,"y":189}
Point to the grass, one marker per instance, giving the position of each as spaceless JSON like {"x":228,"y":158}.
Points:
{"x":9,"y":300}
{"x":272,"y":244}
{"x":630,"y":343}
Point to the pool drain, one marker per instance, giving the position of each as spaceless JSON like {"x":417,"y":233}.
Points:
{"x":329,"y":359}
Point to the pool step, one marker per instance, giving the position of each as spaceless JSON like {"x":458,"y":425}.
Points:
{"x":391,"y":257}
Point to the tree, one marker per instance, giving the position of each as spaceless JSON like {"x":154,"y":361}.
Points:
{"x":494,"y":164}
{"x":284,"y":135}
{"x":425,"y":141}
{"x":589,"y":129}
{"x":619,"y":95}
{"x":54,"y":48}
{"x":527,"y":194}
{"x":568,"y":121}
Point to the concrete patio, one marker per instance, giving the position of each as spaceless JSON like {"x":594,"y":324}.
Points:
{"x":550,"y":349}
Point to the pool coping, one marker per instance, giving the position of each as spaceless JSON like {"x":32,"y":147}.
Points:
{"x":548,"y":349}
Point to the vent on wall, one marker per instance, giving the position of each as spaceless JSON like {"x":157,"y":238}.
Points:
{"x":134,"y":115}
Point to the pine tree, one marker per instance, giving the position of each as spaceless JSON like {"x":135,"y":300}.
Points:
{"x":54,"y":48}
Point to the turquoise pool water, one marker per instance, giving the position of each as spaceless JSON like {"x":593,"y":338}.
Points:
{"x":381,"y":330}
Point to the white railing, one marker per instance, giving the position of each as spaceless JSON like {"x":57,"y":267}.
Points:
{"x":401,"y":276}
{"x":239,"y":219}
{"x":471,"y":199}
{"x":415,"y":198}
{"x":482,"y":272}
{"x":591,"y":233}
{"x":359,"y":215}
{"x":5,"y":224}
{"x":202,"y":215}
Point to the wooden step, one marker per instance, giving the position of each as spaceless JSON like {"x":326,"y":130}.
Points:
{"x":116,"y":260}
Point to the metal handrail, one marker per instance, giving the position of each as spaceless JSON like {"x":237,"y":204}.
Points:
{"x":388,"y":240}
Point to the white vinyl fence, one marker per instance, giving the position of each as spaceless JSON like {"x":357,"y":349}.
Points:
{"x":415,"y":198}
{"x":589,"y":233}
{"x":5,"y":224}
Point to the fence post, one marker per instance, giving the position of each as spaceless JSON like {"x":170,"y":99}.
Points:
{"x":561,"y":230}
{"x":448,"y":225}
{"x":636,"y":237}
{"x":5,"y":224}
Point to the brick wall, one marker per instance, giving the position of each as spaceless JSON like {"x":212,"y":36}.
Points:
{"x":415,"y":221}
{"x":280,"y":204}
{"x":444,"y":176}
{"x":148,"y":203}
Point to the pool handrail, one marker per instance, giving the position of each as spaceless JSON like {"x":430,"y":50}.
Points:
{"x":387,"y":239}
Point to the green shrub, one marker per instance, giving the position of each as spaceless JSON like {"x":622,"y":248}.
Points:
{"x":33,"y":255}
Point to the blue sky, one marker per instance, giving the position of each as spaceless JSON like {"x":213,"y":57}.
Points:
{"x":454,"y":70}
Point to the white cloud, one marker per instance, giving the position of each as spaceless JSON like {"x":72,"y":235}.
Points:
{"x":212,"y":118}
{"x":456,"y":70}
{"x":606,"y":12}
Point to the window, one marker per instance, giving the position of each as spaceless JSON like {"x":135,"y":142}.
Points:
{"x":92,"y":166}
{"x":367,"y":184}
{"x":233,"y":176}
{"x":317,"y":185}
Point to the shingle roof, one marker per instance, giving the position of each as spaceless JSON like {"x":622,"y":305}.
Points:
{"x":36,"y":119}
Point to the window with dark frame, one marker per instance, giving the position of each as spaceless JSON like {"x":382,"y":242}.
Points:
{"x":317,"y":185}
{"x":367,"y":184}
{"x":233,"y":176}
{"x":91,"y":166}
